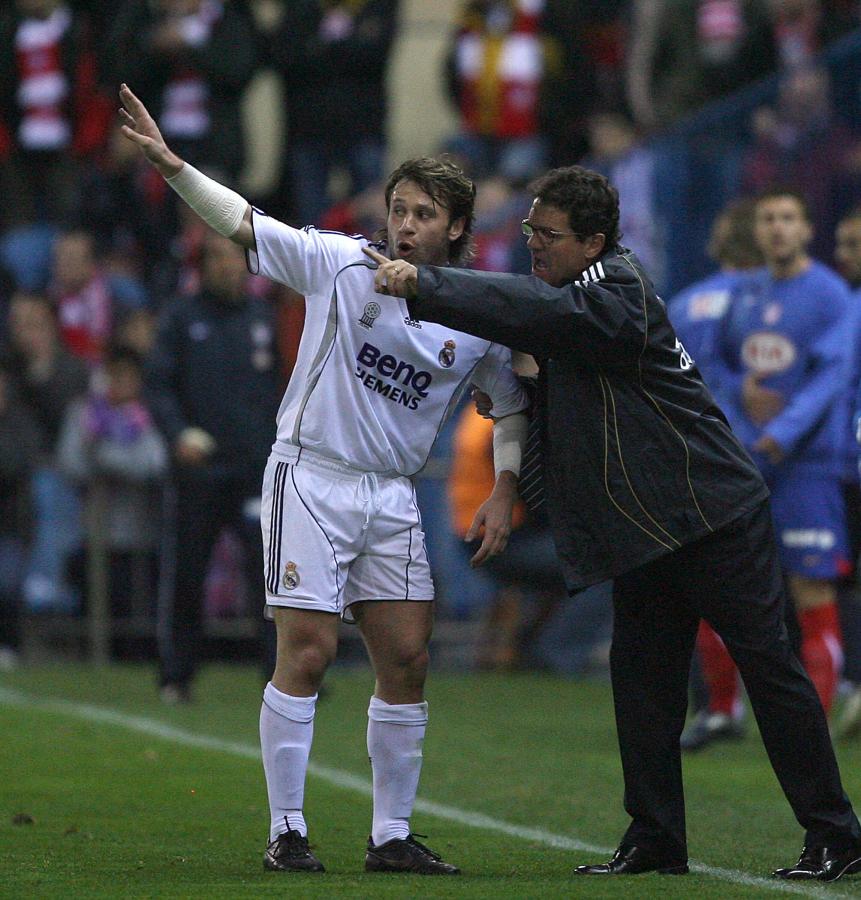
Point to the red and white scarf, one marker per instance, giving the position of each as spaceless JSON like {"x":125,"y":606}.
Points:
{"x":500,"y":71}
{"x":185,"y":102}
{"x":43,"y":87}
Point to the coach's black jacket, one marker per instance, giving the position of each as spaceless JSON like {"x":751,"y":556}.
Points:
{"x":639,"y":460}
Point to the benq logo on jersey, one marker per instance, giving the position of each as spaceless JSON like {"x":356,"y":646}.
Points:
{"x":767,"y":353}
{"x":372,"y":311}
{"x":415,"y":385}
{"x":446,"y":355}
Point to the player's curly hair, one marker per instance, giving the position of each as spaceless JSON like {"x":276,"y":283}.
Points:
{"x":592,"y":203}
{"x":446,"y":184}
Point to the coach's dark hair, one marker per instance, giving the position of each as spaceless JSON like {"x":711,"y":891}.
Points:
{"x":592,"y":203}
{"x":779,"y":191}
{"x":445,"y":183}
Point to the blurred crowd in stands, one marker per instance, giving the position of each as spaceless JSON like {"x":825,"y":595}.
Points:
{"x":141,"y":367}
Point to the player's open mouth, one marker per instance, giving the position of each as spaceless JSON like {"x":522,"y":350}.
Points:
{"x":538,"y":265}
{"x":404,"y":249}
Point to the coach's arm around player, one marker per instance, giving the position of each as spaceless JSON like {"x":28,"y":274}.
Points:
{"x":221,"y":208}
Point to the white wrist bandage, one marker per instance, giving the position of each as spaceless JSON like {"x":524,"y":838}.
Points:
{"x":509,"y":439}
{"x":217,"y":205}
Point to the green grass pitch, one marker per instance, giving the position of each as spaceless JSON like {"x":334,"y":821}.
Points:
{"x":104,"y":792}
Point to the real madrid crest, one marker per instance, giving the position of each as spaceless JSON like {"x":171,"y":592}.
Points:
{"x":372,"y":311}
{"x":446,"y":355}
{"x":290,"y":578}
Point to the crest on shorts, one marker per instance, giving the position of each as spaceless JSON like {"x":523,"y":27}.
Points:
{"x":446,"y":355}
{"x":372,"y":311}
{"x":290,"y":578}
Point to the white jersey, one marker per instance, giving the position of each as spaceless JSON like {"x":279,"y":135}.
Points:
{"x":371,"y":386}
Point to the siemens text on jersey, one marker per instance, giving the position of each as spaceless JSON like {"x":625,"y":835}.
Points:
{"x":398,"y":371}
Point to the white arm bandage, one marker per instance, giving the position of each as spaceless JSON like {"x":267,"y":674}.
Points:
{"x":509,"y":439}
{"x":217,"y":205}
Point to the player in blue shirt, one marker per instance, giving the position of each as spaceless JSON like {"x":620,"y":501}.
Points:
{"x":697,"y":312}
{"x":787,"y":374}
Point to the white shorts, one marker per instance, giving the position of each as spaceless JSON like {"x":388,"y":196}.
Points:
{"x":333,"y":536}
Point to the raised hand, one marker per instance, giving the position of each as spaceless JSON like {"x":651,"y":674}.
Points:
{"x":140,"y":128}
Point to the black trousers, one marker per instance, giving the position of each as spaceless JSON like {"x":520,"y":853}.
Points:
{"x":732,"y":580}
{"x":198,"y":508}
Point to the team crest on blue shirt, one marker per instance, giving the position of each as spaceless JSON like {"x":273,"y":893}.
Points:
{"x":772,"y":313}
{"x":290,"y":578}
{"x":446,"y":355}
{"x":372,"y":311}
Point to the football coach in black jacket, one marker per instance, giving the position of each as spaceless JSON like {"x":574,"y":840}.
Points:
{"x":646,"y":484}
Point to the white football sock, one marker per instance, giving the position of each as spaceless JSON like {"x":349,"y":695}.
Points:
{"x":395,"y":737}
{"x":286,"y":730}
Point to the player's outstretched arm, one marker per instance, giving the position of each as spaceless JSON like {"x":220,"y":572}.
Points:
{"x":221,"y":208}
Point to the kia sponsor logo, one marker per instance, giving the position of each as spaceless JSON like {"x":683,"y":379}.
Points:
{"x":767,"y":353}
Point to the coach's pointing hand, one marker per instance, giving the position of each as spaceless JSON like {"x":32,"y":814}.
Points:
{"x":394,"y":277}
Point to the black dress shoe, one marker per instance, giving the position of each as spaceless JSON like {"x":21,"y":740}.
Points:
{"x":636,"y":860}
{"x":823,"y":864}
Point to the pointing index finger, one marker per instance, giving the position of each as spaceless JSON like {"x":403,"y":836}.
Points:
{"x":378,"y":258}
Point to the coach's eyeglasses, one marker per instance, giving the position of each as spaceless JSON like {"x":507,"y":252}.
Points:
{"x":545,"y":235}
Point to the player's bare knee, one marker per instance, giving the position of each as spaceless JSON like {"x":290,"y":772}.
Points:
{"x":311,"y":660}
{"x":401,"y":678}
{"x":410,"y":661}
{"x":299,"y":669}
{"x":304,"y":652}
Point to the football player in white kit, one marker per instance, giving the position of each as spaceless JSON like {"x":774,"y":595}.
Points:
{"x":342,"y":532}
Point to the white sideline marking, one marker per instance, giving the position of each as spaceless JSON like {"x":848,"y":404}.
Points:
{"x":342,"y":779}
